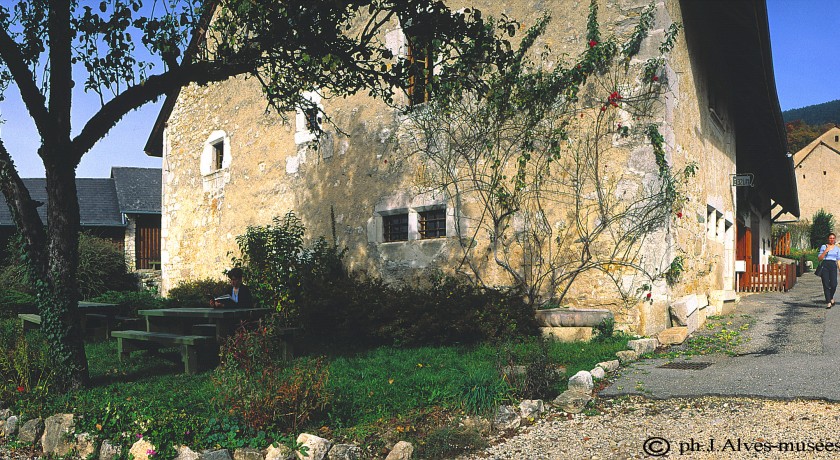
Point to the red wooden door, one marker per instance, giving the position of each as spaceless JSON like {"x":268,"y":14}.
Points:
{"x":743,"y":251}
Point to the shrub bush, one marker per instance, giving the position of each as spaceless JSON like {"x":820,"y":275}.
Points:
{"x":271,"y":261}
{"x":195,"y":293}
{"x":14,"y":274}
{"x":311,"y":287}
{"x":823,"y":224}
{"x":13,"y":302}
{"x":353,"y":311}
{"x":102,"y":267}
{"x":540,"y":379}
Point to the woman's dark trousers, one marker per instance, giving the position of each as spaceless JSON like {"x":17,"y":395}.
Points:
{"x":829,"y":279}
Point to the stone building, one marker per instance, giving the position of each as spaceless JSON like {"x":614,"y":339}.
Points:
{"x":817,"y":175}
{"x":228,"y":164}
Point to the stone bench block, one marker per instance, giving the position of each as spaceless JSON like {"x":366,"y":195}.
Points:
{"x":567,"y":334}
{"x":673,"y":335}
{"x":572,"y":317}
{"x":643,"y":346}
{"x":682,"y":308}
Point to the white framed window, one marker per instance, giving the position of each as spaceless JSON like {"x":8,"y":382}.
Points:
{"x":215,"y":155}
{"x":308,"y":118}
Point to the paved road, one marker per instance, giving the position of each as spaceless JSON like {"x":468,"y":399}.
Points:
{"x":793,"y":352}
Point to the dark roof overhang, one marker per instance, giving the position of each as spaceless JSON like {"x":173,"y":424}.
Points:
{"x":733,"y":37}
{"x":154,"y":145}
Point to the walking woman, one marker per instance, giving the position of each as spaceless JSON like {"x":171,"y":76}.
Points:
{"x":829,"y":254}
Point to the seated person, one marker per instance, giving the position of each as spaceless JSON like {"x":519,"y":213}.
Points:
{"x":240,"y":295}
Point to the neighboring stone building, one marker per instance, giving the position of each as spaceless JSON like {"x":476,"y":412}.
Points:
{"x":818,"y":176}
{"x":228,"y":164}
{"x":124,"y":208}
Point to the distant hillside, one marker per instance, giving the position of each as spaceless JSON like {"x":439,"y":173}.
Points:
{"x":827,"y":112}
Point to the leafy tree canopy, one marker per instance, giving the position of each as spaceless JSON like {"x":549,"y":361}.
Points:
{"x":800,"y":134}
{"x":817,"y":114}
{"x":130,"y":52}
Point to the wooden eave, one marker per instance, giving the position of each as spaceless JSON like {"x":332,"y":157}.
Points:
{"x":733,"y":39}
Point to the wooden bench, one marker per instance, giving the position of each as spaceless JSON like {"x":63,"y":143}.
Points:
{"x":29,"y":320}
{"x":192,"y":347}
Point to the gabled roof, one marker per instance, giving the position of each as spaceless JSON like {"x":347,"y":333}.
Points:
{"x":102,"y":201}
{"x":138,"y":189}
{"x":800,"y":156}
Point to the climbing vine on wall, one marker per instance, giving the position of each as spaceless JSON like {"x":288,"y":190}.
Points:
{"x":543,"y":149}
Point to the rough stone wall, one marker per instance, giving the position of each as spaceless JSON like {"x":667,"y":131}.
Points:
{"x":130,"y":246}
{"x":355,"y":175}
{"x":705,"y":234}
{"x":818,"y":175}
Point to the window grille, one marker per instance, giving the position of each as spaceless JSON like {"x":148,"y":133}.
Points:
{"x":432,"y":224}
{"x":395,"y":227}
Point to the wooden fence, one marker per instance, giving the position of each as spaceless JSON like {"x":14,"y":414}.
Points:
{"x":767,"y":278}
{"x":781,"y":247}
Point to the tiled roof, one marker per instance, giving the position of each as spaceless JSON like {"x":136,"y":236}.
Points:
{"x":102,"y":201}
{"x":138,"y":189}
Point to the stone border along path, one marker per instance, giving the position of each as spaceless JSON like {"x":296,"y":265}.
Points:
{"x":791,"y":352}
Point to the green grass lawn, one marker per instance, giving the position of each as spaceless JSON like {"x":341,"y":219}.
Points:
{"x":402,"y":393}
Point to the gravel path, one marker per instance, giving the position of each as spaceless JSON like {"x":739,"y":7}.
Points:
{"x":624,"y":426}
{"x":780,"y":390}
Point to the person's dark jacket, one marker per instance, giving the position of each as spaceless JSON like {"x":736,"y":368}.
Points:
{"x":246,"y":300}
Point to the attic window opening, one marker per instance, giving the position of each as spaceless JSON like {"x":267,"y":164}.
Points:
{"x":420,"y":71}
{"x":308,"y":118}
{"x":313,"y":118}
{"x":218,"y":154}
{"x":836,"y":138}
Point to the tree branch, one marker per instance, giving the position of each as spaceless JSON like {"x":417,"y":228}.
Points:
{"x":156,"y":86}
{"x":24,"y":211}
{"x":35,"y":102}
{"x":61,"y":72}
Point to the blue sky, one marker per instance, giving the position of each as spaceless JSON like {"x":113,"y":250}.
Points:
{"x":803,"y":33}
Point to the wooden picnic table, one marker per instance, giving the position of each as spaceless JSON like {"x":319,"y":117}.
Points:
{"x":196,"y":332}
{"x":105,"y":313}
{"x":221,"y":322}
